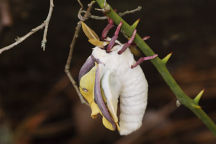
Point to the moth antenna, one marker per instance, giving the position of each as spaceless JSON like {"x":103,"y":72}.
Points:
{"x":114,"y":38}
{"x":142,"y":59}
{"x":128,"y":43}
{"x":107,"y":28}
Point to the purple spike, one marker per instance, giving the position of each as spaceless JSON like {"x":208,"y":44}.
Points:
{"x":107,"y":28}
{"x":99,"y":99}
{"x":128,"y":43}
{"x":87,"y":66}
{"x":114,"y":38}
{"x":144,"y":38}
{"x":143,"y":59}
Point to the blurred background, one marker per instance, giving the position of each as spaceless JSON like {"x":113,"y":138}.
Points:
{"x":38,"y":104}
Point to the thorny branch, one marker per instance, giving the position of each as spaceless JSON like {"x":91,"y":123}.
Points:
{"x":160,"y":65}
{"x":77,"y":30}
{"x":44,"y":24}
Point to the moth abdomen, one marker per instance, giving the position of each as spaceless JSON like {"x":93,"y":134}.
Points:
{"x":133,"y":100}
{"x":131,"y":113}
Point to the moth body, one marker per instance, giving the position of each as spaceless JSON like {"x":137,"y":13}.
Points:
{"x":111,"y":74}
{"x":133,"y":87}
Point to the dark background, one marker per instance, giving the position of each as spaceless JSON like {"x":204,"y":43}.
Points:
{"x":38,"y":105}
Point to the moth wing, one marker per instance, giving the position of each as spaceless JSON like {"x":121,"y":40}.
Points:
{"x":111,"y":87}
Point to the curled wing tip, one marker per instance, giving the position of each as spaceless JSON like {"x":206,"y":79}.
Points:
{"x":86,"y":67}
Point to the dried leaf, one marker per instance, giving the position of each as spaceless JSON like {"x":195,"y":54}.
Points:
{"x":98,"y":43}
{"x":89,"y":32}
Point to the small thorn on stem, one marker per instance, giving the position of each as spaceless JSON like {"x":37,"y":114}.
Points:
{"x":142,"y":59}
{"x":128,"y":43}
{"x":114,"y":38}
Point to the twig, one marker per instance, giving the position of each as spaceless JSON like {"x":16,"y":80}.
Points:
{"x":162,"y":69}
{"x":68,"y":63}
{"x":120,"y":14}
{"x":21,"y":39}
{"x":130,"y":11}
{"x":43,"y":43}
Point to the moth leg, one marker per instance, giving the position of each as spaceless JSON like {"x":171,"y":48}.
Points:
{"x":142,"y":59}
{"x":146,"y":38}
{"x":107,"y":28}
{"x":114,"y":38}
{"x":128,"y":43}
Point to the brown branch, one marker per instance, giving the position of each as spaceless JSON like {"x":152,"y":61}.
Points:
{"x":130,"y":11}
{"x":21,"y":39}
{"x":77,"y":30}
{"x":121,"y":13}
{"x":44,"y":24}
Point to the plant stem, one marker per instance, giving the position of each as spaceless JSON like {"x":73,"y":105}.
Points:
{"x":161,"y":67}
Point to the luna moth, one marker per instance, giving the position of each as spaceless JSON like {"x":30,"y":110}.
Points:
{"x":111,"y":79}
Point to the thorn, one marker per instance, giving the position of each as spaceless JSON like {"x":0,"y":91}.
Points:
{"x":166,"y":58}
{"x":178,"y":104}
{"x":198,"y":97}
{"x":134,"y":25}
{"x":196,"y":106}
{"x":17,"y":38}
